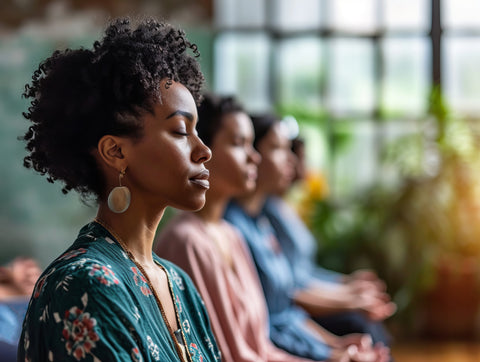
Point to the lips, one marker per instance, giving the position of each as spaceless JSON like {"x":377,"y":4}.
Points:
{"x":252,"y":174}
{"x":201,"y":179}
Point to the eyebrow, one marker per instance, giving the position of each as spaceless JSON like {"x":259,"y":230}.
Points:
{"x":187,"y":115}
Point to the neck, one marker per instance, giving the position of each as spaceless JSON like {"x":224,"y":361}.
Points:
{"x":136,"y":231}
{"x":252,"y":203}
{"x":10,"y":291}
{"x":214,"y":208}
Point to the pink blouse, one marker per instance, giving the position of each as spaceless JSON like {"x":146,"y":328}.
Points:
{"x":232,"y":293}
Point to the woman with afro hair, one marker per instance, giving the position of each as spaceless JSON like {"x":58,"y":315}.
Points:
{"x":117,"y":123}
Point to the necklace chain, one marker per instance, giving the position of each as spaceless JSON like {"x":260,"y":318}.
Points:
{"x":154,"y":292}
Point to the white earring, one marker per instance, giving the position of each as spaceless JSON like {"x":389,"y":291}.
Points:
{"x":119,"y":197}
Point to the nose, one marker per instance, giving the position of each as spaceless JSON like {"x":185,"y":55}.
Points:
{"x":201,"y":153}
{"x":293,"y":158}
{"x":254,"y":156}
{"x":292,"y":163}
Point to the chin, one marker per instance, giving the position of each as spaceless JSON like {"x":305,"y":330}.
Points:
{"x":192,"y":205}
{"x":198,"y":207}
{"x":250,"y":186}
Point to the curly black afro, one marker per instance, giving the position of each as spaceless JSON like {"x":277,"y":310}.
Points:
{"x":80,"y":95}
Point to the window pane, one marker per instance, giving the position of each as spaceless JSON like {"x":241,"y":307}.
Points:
{"x":353,"y":15}
{"x":406,"y":14}
{"x":351,"y":85}
{"x":241,"y":68}
{"x":239,"y":13}
{"x":461,"y":13}
{"x":297,"y":15}
{"x":462,"y":73}
{"x":407,"y":75}
{"x":355,"y":157}
{"x":316,"y":146}
{"x":300,"y":70}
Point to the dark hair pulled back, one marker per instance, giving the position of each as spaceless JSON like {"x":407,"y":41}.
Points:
{"x":211,"y":111}
{"x":262,"y":123}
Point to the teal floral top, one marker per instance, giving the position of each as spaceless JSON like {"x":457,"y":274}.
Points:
{"x":93,"y":304}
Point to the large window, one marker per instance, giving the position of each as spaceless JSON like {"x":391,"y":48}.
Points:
{"x":361,"y":69}
{"x":461,"y":54}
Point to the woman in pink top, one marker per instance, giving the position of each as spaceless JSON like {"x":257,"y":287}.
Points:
{"x":211,"y":251}
{"x":214,"y":254}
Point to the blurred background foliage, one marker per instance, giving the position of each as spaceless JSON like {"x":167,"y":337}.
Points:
{"x":422,"y":234}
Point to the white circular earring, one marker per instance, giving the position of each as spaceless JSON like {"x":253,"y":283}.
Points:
{"x":119,"y":197}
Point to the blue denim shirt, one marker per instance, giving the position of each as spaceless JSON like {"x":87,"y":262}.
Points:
{"x":287,"y":322}
{"x":298,"y":243}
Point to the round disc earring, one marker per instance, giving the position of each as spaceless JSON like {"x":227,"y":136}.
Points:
{"x":119,"y":197}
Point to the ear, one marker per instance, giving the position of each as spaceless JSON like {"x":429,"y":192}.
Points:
{"x":5,"y":275}
{"x":110,"y":151}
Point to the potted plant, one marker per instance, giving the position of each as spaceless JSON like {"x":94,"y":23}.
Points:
{"x":423,"y":236}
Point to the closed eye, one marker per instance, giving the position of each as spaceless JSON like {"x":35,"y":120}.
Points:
{"x":181,"y":133}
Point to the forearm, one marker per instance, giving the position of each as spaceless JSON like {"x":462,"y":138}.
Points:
{"x":326,"y":337}
{"x":325,"y":301}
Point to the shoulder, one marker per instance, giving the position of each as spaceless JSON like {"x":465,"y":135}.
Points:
{"x":233,"y":209}
{"x":232,"y":232}
{"x":182,"y":234}
{"x":181,"y":227}
{"x":93,"y":260}
{"x":77,"y":280}
{"x":236,"y":216}
{"x":272,"y":205}
{"x":76,"y":270}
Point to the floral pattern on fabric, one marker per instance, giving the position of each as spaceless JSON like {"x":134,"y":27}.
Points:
{"x":72,"y":254}
{"x":26,"y":341}
{"x":211,"y":347}
{"x":186,"y":326}
{"x":154,"y":350}
{"x":195,"y":353}
{"x":103,"y":274}
{"x":79,"y":331}
{"x":136,"y":356}
{"x":141,"y":282}
{"x":178,"y":304}
{"x":41,"y":283}
{"x":177,"y":279}
{"x":136,"y":313}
